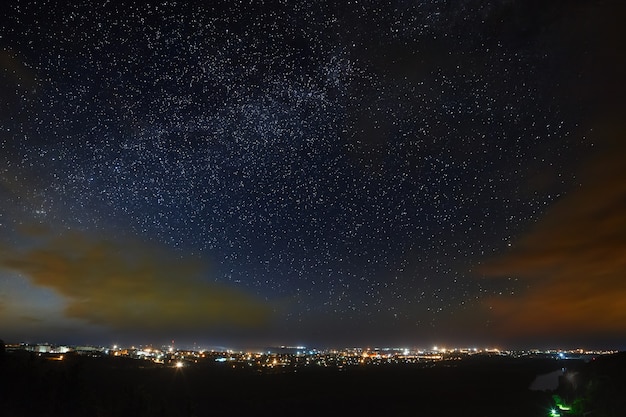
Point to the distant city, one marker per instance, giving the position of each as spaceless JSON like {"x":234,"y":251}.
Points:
{"x":292,"y":358}
{"x":75,"y":380}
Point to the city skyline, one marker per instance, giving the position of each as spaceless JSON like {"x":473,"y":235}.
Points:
{"x":308,"y":173}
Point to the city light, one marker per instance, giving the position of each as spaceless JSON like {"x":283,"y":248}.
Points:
{"x":554,"y":413}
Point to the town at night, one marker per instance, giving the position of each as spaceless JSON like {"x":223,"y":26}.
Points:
{"x":360,"y":207}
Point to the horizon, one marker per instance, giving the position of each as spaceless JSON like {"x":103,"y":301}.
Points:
{"x":437,"y":347}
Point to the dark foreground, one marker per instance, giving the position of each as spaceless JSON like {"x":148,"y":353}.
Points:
{"x":486,"y":386}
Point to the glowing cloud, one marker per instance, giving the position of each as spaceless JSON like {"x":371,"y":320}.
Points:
{"x":574,"y":260}
{"x":131,"y":285}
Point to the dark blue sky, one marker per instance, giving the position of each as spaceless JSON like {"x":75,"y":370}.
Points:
{"x":304,"y":172}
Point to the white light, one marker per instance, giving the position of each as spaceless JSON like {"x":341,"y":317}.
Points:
{"x":179,"y":364}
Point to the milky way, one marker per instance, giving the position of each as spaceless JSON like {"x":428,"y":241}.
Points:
{"x":353,"y":162}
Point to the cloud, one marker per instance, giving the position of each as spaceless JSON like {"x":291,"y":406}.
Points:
{"x":574,"y":259}
{"x":131,"y":285}
{"x":31,"y":319}
{"x":572,"y":263}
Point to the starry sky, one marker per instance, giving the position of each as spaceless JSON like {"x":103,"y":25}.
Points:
{"x":313,"y":172}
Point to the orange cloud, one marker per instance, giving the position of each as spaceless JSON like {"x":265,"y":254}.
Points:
{"x":131,"y":285}
{"x":574,"y":260}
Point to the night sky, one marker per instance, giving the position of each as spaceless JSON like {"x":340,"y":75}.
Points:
{"x":314,"y":173}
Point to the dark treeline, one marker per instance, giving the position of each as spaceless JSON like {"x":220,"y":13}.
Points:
{"x":108,"y":386}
